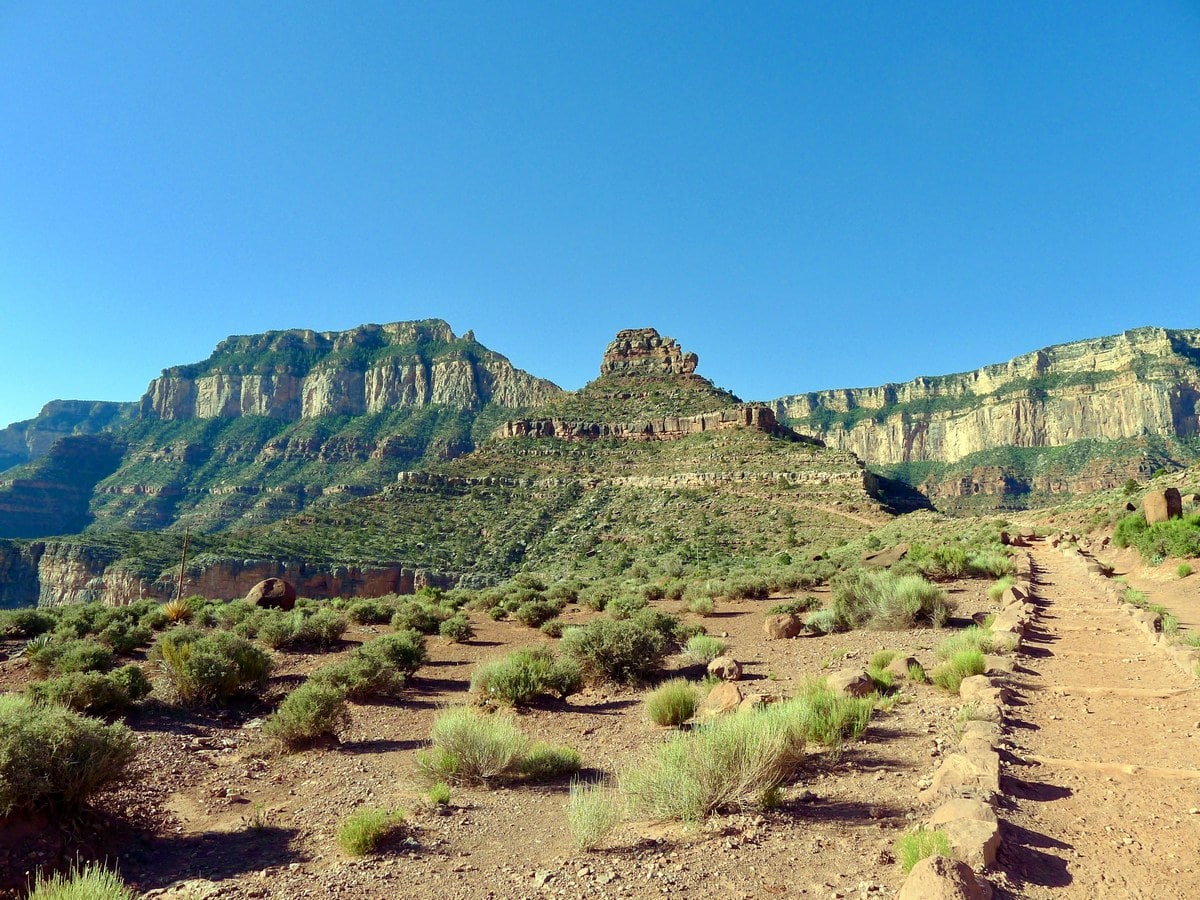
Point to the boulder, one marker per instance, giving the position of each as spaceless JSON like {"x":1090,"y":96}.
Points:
{"x":881,"y":559}
{"x":851,"y":683}
{"x":726,"y":668}
{"x":1129,"y":507}
{"x":962,"y":808}
{"x":724,"y":698}
{"x":978,"y":689}
{"x":1160,"y":506}
{"x":783,"y":626}
{"x":974,"y":842}
{"x":898,"y":667}
{"x":1012,"y":595}
{"x":755,"y":701}
{"x":941,"y":878}
{"x":273,"y":593}
{"x":974,"y":774}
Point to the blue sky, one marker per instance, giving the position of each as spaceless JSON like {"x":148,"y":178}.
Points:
{"x":808,"y":195}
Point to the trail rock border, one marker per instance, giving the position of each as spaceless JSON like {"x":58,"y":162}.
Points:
{"x":966,"y":786}
{"x":1148,"y":622}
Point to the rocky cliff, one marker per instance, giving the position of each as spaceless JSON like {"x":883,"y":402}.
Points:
{"x":1142,"y":382}
{"x":25,"y":441}
{"x":292,"y":375}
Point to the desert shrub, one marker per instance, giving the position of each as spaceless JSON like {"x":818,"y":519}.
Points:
{"x":941,"y":562}
{"x":457,"y":629}
{"x":970,"y":638}
{"x":622,"y":651}
{"x":880,"y":599}
{"x":672,"y":703}
{"x":1183,"y":570}
{"x":25,"y":623}
{"x":593,"y":811}
{"x":124,"y":636}
{"x":597,"y":596}
{"x":212,"y":667}
{"x":371,"y":611}
{"x":534,"y":612}
{"x":52,"y":758}
{"x":439,"y":794}
{"x":746,"y":587}
{"x":563,"y":591}
{"x":823,"y":621}
{"x":794,"y":607}
{"x":685,"y":631}
{"x":366,"y":828}
{"x":1176,"y":537}
{"x":626,"y":606}
{"x":920,"y":843}
{"x":701,"y":606}
{"x":419,"y":616}
{"x":734,"y":761}
{"x":1129,"y":529}
{"x":90,"y":882}
{"x":311,"y":711}
{"x":545,"y":762}
{"x":65,"y":655}
{"x":962,"y":664}
{"x":468,"y":747}
{"x":703,"y":649}
{"x":553,"y":628}
{"x":405,"y":650}
{"x":524,"y":675}
{"x":991,"y":564}
{"x":498,"y":613}
{"x":323,"y":627}
{"x":362,"y":676}
{"x":675,"y":589}
{"x":93,"y":692}
{"x":820,"y":715}
{"x":177,"y":611}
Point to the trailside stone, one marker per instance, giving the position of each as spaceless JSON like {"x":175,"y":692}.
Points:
{"x":754,"y":701}
{"x":962,"y":808}
{"x":1011,"y":619}
{"x":273,"y":593}
{"x":974,"y":774}
{"x":851,"y":683}
{"x":942,"y":878}
{"x":1161,"y":506}
{"x":724,"y":698}
{"x":978,"y":689}
{"x":999,"y":665}
{"x":726,"y":668}
{"x":1012,"y":595}
{"x":899,"y":666}
{"x":973,"y":841}
{"x":881,"y":559}
{"x":782,"y":627}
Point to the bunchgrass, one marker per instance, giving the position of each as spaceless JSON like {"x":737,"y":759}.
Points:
{"x":366,"y":827}
{"x":918,"y":844}
{"x":469,"y":747}
{"x":90,"y":882}
{"x":704,"y":648}
{"x":545,"y":762}
{"x":594,"y":810}
{"x":882,"y":599}
{"x":962,"y":664}
{"x":1183,"y":570}
{"x":701,"y":606}
{"x":996,"y":590}
{"x":672,"y":703}
{"x":824,"y":717}
{"x":970,"y":638}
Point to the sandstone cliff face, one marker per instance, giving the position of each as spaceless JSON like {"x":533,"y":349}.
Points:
{"x":667,"y":428}
{"x":294,"y":375}
{"x":1145,"y":381}
{"x":25,"y":441}
{"x":642,"y":351}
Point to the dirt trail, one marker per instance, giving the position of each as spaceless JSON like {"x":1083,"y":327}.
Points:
{"x":1104,"y":774}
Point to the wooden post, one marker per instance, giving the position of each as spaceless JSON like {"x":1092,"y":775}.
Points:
{"x":182,"y":563}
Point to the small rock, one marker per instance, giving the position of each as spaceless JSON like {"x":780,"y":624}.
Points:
{"x":726,"y":668}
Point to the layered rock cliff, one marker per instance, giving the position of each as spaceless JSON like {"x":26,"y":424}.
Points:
{"x":292,"y":375}
{"x":25,"y":441}
{"x":1139,"y":382}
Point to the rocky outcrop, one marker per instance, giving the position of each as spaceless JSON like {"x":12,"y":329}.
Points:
{"x":1145,"y":381}
{"x":641,"y":351}
{"x":26,"y":441}
{"x":293,"y":375}
{"x":761,"y":418}
{"x":52,"y":573}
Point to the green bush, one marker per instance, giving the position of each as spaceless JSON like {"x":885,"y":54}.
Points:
{"x":624,"y":651}
{"x":626,"y":607}
{"x":405,"y":650}
{"x":920,"y":843}
{"x":25,"y":623}
{"x":1176,"y":537}
{"x":728,"y":763}
{"x":991,"y":564}
{"x":553,"y":628}
{"x":794,"y":607}
{"x":703,"y":649}
{"x":535,"y":612}
{"x":593,"y":811}
{"x":210,"y":668}
{"x":819,"y":715}
{"x":66,"y":654}
{"x":91,"y":882}
{"x":962,"y":664}
{"x":672,"y":703}
{"x":880,"y":599}
{"x":362,"y":676}
{"x":701,"y":606}
{"x":93,"y":692}
{"x":545,"y":762}
{"x":471,"y":748}
{"x":371,"y":611}
{"x":823,"y":621}
{"x":457,"y":629}
{"x":124,"y":637}
{"x":366,"y":828}
{"x":1183,"y":570}
{"x":996,"y":590}
{"x":524,"y":675}
{"x":417,"y":615}
{"x":311,"y":711}
{"x":53,"y":759}
{"x":302,"y":628}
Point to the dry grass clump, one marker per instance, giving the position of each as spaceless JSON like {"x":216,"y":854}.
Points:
{"x":881,"y":599}
{"x":594,"y":810}
{"x":471,"y":748}
{"x":672,"y":703}
{"x":702,"y":649}
{"x":366,"y":828}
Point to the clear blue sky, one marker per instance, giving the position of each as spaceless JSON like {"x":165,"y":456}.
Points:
{"x":807,"y":194}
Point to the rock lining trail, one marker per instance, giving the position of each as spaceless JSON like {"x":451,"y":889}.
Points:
{"x":1101,"y":785}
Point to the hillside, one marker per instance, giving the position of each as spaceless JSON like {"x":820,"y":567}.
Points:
{"x":272,"y":424}
{"x":1071,"y":418}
